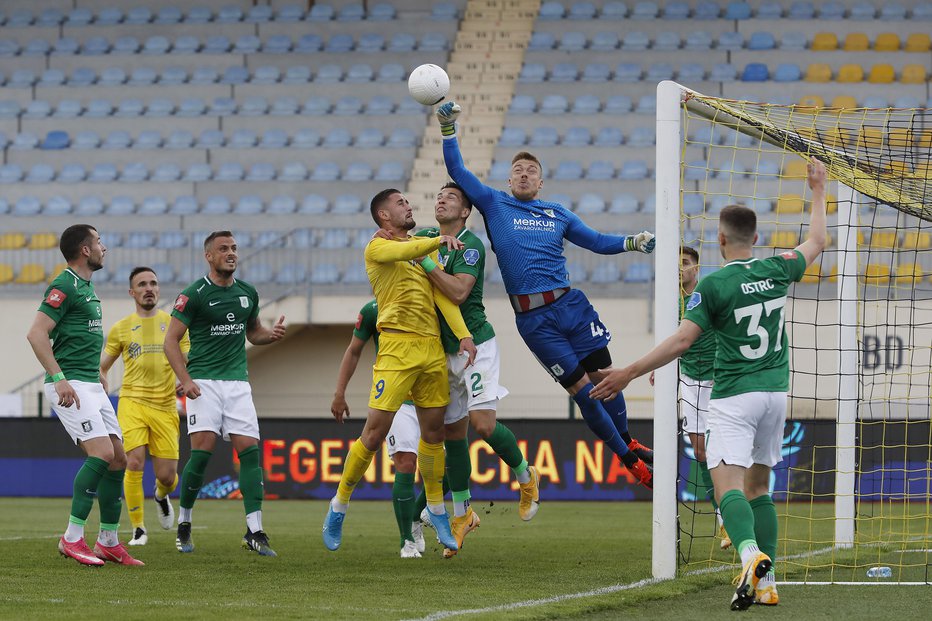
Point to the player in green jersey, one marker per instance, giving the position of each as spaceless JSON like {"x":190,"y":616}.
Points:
{"x":402,"y":438}
{"x":219,"y":313}
{"x":474,"y":391}
{"x":67,"y":336}
{"x":743,"y":304}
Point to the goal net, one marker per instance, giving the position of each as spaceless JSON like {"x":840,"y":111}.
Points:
{"x":854,"y":490}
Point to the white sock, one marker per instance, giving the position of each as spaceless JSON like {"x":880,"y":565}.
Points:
{"x":439,"y":509}
{"x":184,"y":515}
{"x":749,"y":552}
{"x":524,"y":477}
{"x":337,"y":506}
{"x":254,"y":521}
{"x":718,"y":516}
{"x":108,"y":538}
{"x":74,"y":532}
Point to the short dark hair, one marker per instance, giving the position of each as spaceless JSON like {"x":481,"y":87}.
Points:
{"x":453,"y":185}
{"x":524,"y":155}
{"x":690,"y":252}
{"x":73,"y":239}
{"x":215,"y":235}
{"x":376,"y":203}
{"x":139,"y":270}
{"x":739,"y":223}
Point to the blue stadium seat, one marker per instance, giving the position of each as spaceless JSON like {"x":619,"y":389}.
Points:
{"x":401,"y":137}
{"x":266,"y":74}
{"x":572,"y":42}
{"x":351,"y":13}
{"x":243,"y":139}
{"x":553,"y":104}
{"x":285,"y":106}
{"x":657,"y":72}
{"x":581,"y":11}
{"x":211,"y":139}
{"x":156,"y":45}
{"x":79,"y":17}
{"x":274,"y":139}
{"x":347,"y":204}
{"x":603,"y":41}
{"x":550,"y":11}
{"x":370,"y":138}
{"x":328,"y":74}
{"x":371,"y":42}
{"x":36,"y":47}
{"x":691,"y":72}
{"x":166,"y":172}
{"x":667,"y":41}
{"x":605,"y":273}
{"x":801,"y":10}
{"x":110,"y":16}
{"x":216,"y":205}
{"x":627,"y":72}
{"x":320,"y":13}
{"x":291,"y":13}
{"x":173,"y":76}
{"x":168,"y":15}
{"x":381,"y":12}
{"x":391,"y":72}
{"x":831,"y":10}
{"x":522,"y":104}
{"x":600,"y":170}
{"x":179,"y":139}
{"x":676,"y":10}
{"x":723,"y":72}
{"x":313,"y":204}
{"x":347,"y":106}
{"x":512,"y":137}
{"x":642,"y":137}
{"x":787,"y":72}
{"x":623,"y":204}
{"x":321,"y":274}
{"x":693,"y":204}
{"x":433,"y":42}
{"x":544,"y":137}
{"x":26,"y":206}
{"x":229,"y":14}
{"x":500,"y":170}
{"x":326,"y":171}
{"x":103,"y":172}
{"x":589,"y":204}
{"x":217,"y":44}
{"x":248,"y":205}
{"x":922,"y":11}
{"x":638,"y":273}
{"x":357,"y":171}
{"x":770,"y":10}
{"x":645,"y":10}
{"x":794,"y":41}
{"x":184,"y":206}
{"x":568,"y":171}
{"x":706,"y":9}
{"x":142,"y":76}
{"x":390,"y":171}
{"x":40,"y":173}
{"x":89,"y":206}
{"x":618,"y":104}
{"x":134,"y":172}
{"x":359,"y":72}
{"x":65,"y":46}
{"x":121,"y":206}
{"x":737,"y":10}
{"x":85,"y":140}
{"x":586,"y":104}
{"x":761,"y":40}
{"x":22,"y":78}
{"x":575,"y":137}
{"x":647,"y":104}
{"x":614,"y":10}
{"x":126,"y":45}
{"x":444,"y":11}
{"x":633,"y":170}
{"x":148,"y":140}
{"x":204,"y":75}
{"x":698,"y":41}
{"x":192,"y":107}
{"x":37,"y":109}
{"x":755,"y":72}
{"x":8,"y":48}
{"x":153,"y":206}
{"x":230,"y":171}
{"x":316,"y":106}
{"x":635,"y":41}
{"x":50,"y":78}
{"x":892,"y":11}
{"x":532,"y":72}
{"x":340,"y":43}
{"x":254,"y":106}
{"x":297,"y":74}
{"x":24,"y":141}
{"x":260,"y":171}
{"x":160,"y":107}
{"x":10,"y":173}
{"x":730,"y":41}
{"x":540,"y":41}
{"x":235,"y":75}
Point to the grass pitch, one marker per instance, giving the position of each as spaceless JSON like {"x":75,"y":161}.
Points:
{"x":574,"y":560}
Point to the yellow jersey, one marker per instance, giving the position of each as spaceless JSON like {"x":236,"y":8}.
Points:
{"x":404,"y":296}
{"x":147,"y":376}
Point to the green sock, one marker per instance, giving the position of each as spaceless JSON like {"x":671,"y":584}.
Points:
{"x":109,"y":497}
{"x":707,"y":482}
{"x":86,"y":482}
{"x":738,"y":518}
{"x":421,"y":503}
{"x":506,"y":447}
{"x":459,"y":469}
{"x":193,"y":477}
{"x":250,"y":479}
{"x":403,"y":503}
{"x":765,"y":524}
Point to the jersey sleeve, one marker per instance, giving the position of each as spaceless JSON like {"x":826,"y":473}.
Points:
{"x":389,"y":251}
{"x":186,"y":306}
{"x":254,"y":310}
{"x":794,"y":263}
{"x":451,"y":312}
{"x":366,"y":322}
{"x":480,"y":194}
{"x":586,"y":237}
{"x":114,"y":344}
{"x":58,"y":299}
{"x":698,"y":308}
{"x":469,"y":260}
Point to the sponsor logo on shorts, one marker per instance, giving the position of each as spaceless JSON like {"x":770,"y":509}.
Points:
{"x":180,"y":302}
{"x":55,"y":298}
{"x":192,"y":419}
{"x":694,"y":300}
{"x":86,"y":426}
{"x":471,"y":256}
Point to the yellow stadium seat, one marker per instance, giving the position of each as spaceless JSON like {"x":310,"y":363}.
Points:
{"x":56,"y":270}
{"x":824,"y":42}
{"x":887,"y":42}
{"x":784,"y":239}
{"x":845,"y":102}
{"x":860,"y":237}
{"x":881,"y":74}
{"x":790,"y":203}
{"x":831,"y":203}
{"x":795,"y":169}
{"x":877,"y":274}
{"x":849,"y":74}
{"x":870,"y":138}
{"x":6,"y":273}
{"x":833,"y":273}
{"x":916,"y":240}
{"x":857,"y":42}
{"x":923,"y":170}
{"x":909,"y":274}
{"x":12,"y":241}
{"x":924,"y":139}
{"x":917,"y":42}
{"x":899,"y":167}
{"x":43,"y":241}
{"x":811,"y":101}
{"x":913,"y":74}
{"x":883,"y":240}
{"x":818,"y":72}
{"x":31,"y":274}
{"x":900,"y":138}
{"x":812,"y":273}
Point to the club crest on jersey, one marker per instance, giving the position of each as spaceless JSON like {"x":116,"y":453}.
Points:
{"x":471,"y":256}
{"x":244,"y":301}
{"x":181,"y":301}
{"x":550,"y":213}
{"x":55,"y":298}
{"x":694,"y":300}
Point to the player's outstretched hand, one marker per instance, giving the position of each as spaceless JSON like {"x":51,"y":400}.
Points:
{"x":642,"y":242}
{"x":451,"y":243}
{"x":615,"y":381}
{"x":467,"y":346}
{"x":339,"y":408}
{"x":277,"y":332}
{"x":66,"y":394}
{"x":815,"y":174}
{"x":191,"y":390}
{"x":447,"y":115}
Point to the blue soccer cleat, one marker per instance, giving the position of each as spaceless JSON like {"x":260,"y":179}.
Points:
{"x":441,"y":524}
{"x":333,"y":529}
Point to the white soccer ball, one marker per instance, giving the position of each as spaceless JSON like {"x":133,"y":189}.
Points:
{"x":428,"y":84}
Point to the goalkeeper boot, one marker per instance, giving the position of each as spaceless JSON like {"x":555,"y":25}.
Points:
{"x":417,"y":530}
{"x":165,"y":511}
{"x":643,"y":473}
{"x":441,"y":524}
{"x":645,"y":453}
{"x":183,"y":540}
{"x":333,"y":529}
{"x":726,"y":540}
{"x":115,"y":554}
{"x":409,"y":550}
{"x":461,"y":526}
{"x":529,"y":502}
{"x":751,"y":575}
{"x":258,"y":542}
{"x":79,"y":551}
{"x":140,"y":537}
{"x":766,"y":591}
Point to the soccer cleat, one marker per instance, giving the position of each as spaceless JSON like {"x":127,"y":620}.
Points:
{"x":258,"y":542}
{"x":529,"y":501}
{"x":115,"y":554}
{"x":140,"y":537}
{"x":646,"y":454}
{"x":79,"y":551}
{"x":166,"y":512}
{"x":441,"y":524}
{"x":409,"y":550}
{"x":461,"y":526}
{"x":183,"y":540}
{"x":751,"y":574}
{"x":333,"y":529}
{"x":643,"y":473}
{"x":417,"y":530}
{"x":766,"y":591}
{"x":726,"y":540}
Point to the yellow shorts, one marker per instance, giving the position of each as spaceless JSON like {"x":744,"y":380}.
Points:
{"x":412,"y":367}
{"x":145,"y":425}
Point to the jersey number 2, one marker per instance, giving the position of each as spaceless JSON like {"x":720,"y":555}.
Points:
{"x":754,"y":312}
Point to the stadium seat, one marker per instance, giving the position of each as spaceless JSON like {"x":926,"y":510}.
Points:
{"x":794,"y":41}
{"x":134,"y":172}
{"x":642,"y":137}
{"x":635,"y":41}
{"x":216,"y":205}
{"x":568,"y":171}
{"x":723,"y":72}
{"x":586,"y":104}
{"x":623,"y":204}
{"x":260,"y":171}
{"x":603,"y":41}
{"x":633,"y":170}
{"x":166,"y":172}
{"x":879,"y":74}
{"x":790,"y":203}
{"x":564,"y":72}
{"x":574,"y":137}
{"x":55,"y":206}
{"x":550,"y":11}
{"x":818,"y":72}
{"x":638,"y":273}
{"x":40,"y":174}
{"x":783,"y":239}
{"x":590,"y":203}
{"x":605,"y":273}
{"x":913,"y":74}
{"x":862,"y":11}
{"x":730,"y":41}
{"x":581,"y":11}
{"x":381,"y":12}
{"x":761,"y":40}
{"x":522,"y":104}
{"x":121,"y":206}
{"x":184,"y":206}
{"x":824,"y":42}
{"x":572,"y":42}
{"x":285,"y":106}
{"x":676,"y":10}
{"x":72,"y":173}
{"x":305,"y":138}
{"x":787,"y":72}
{"x":887,"y":42}
{"x":737,"y":11}
{"x":917,"y":42}
{"x":50,"y":78}
{"x":877,"y":274}
{"x":401,"y":137}
{"x":856,"y":42}
{"x":248,"y":205}
{"x":357,"y":171}
{"x":831,"y":10}
{"x":608,"y":137}
{"x":755,"y":72}
{"x":326,"y":171}
{"x":512,"y":137}
{"x":691,"y":72}
{"x":698,"y":41}
{"x":347,"y":204}
{"x":532,"y":72}
{"x":657,"y":72}
{"x":313,"y":204}
{"x":148,"y":140}
{"x":553,"y":104}
{"x":627,"y":72}
{"x":600,"y":170}
{"x":31,"y":274}
{"x":647,"y":104}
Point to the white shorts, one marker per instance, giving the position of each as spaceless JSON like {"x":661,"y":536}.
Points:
{"x":224,"y":407}
{"x":95,"y":419}
{"x":475,"y":387}
{"x":405,"y":431}
{"x":746,"y":429}
{"x":694,"y":403}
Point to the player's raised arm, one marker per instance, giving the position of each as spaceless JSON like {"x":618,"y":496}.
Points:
{"x":818,"y":235}
{"x":586,"y":237}
{"x":478,"y":192}
{"x":389,"y":251}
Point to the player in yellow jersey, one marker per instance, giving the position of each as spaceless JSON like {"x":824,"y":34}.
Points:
{"x":411,"y":362}
{"x":147,"y":409}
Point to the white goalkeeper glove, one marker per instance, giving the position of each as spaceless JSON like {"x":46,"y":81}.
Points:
{"x":447,"y":115}
{"x":642,"y":242}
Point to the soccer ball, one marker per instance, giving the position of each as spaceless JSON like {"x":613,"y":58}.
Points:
{"x":428,"y":84}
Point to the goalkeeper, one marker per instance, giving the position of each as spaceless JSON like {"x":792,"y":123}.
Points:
{"x":558,"y":324}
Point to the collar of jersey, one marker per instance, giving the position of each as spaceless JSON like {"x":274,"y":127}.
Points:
{"x":213,"y":284}
{"x":741,"y":261}
{"x":75,"y":274}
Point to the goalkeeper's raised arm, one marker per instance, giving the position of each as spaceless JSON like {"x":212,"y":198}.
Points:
{"x":480,"y":194}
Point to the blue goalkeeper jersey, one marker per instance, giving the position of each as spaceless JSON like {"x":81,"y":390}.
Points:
{"x":527,"y":237}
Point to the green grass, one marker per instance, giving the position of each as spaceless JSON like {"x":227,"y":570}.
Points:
{"x":569,"y":548}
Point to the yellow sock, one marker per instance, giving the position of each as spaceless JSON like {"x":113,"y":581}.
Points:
{"x":162,"y":491}
{"x":132,"y":489}
{"x":356,"y":464}
{"x":431,"y":461}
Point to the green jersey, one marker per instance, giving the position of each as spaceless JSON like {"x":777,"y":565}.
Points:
{"x":78,"y":335}
{"x":743,"y":304}
{"x":217,"y":319}
{"x":698,"y":362}
{"x":365,"y":327}
{"x":470,"y":260}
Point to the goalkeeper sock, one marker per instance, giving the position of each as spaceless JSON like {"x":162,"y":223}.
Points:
{"x":618,"y":411}
{"x":431,"y":461}
{"x":503,"y":442}
{"x":599,"y":421}
{"x":403,"y":503}
{"x":162,"y":491}
{"x":132,"y":491}
{"x":707,"y":483}
{"x":84,"y":490}
{"x":739,"y":522}
{"x":766,"y":524}
{"x":458,"y":470}
{"x":192,"y":478}
{"x":356,"y":464}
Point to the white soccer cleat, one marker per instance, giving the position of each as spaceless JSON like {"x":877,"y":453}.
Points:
{"x":166,"y":512}
{"x":140,"y":537}
{"x":409,"y":550}
{"x":417,"y":530}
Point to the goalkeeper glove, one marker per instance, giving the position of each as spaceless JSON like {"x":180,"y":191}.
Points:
{"x":447,"y":115}
{"x":642,"y":242}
